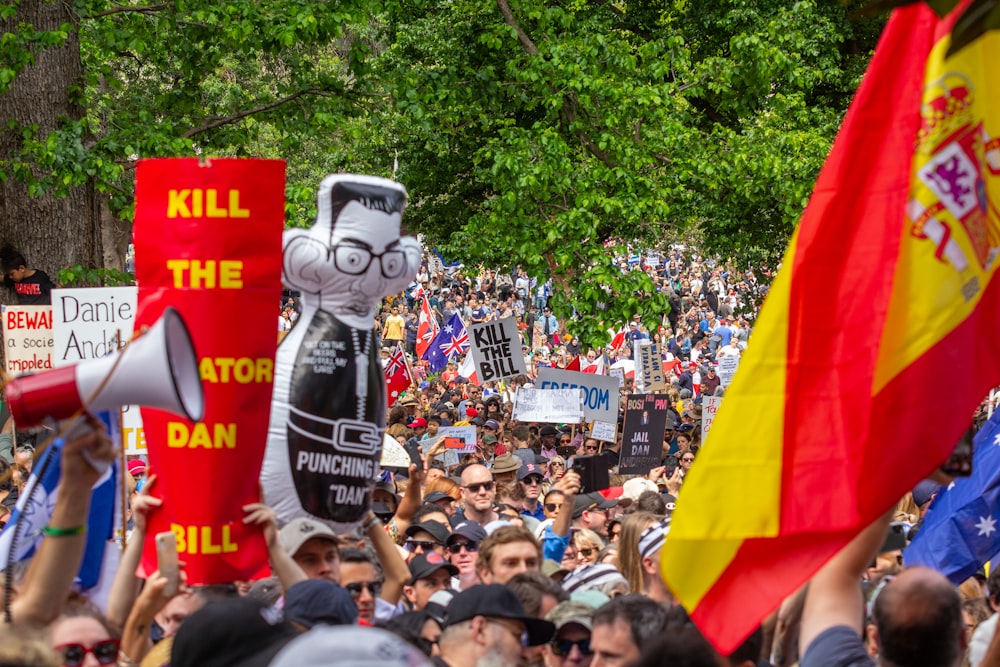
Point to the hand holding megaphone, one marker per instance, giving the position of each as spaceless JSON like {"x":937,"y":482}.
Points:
{"x":159,"y":369}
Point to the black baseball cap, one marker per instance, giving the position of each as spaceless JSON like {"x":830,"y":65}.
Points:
{"x":425,"y":565}
{"x":591,"y":501}
{"x":438,"y":531}
{"x":470,"y":530}
{"x":232,"y":632}
{"x":496,"y":601}
{"x":319,"y":602}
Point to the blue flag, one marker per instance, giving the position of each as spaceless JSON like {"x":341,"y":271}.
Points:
{"x":23,"y":533}
{"x":961,"y":530}
{"x":451,"y":341}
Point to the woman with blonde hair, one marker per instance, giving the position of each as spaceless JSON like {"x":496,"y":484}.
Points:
{"x":629,"y":563}
{"x":588,"y":546}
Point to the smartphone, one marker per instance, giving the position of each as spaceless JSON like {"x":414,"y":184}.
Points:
{"x":168,"y":562}
{"x":671,"y":465}
{"x":412,"y":448}
{"x":959,"y":464}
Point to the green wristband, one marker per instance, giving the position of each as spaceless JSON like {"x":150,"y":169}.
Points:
{"x":52,"y":531}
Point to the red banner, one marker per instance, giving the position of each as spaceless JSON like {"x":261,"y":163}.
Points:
{"x":208,"y":243}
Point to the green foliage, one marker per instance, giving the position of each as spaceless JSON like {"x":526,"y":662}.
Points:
{"x":84,"y":276}
{"x":550,"y":136}
{"x":535,"y":134}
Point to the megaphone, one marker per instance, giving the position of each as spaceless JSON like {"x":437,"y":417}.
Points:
{"x":158,"y":370}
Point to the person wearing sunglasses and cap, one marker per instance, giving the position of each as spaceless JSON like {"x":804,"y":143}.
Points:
{"x":429,"y":573}
{"x":487,"y":624}
{"x":462,"y":551}
{"x":570,"y":647}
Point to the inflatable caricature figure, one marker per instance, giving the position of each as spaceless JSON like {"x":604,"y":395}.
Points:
{"x":328,"y":410}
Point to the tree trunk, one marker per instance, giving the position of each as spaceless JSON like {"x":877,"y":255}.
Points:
{"x":52,"y":233}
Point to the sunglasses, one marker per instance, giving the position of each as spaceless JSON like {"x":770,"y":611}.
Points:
{"x":105,"y":651}
{"x":355,"y":588}
{"x":562,"y":647}
{"x":552,"y":507}
{"x":590,"y":449}
{"x":585,"y":551}
{"x":475,"y":488}
{"x":687,"y":460}
{"x":471,"y":547}
{"x":413,"y":545}
{"x":564,"y":441}
{"x":532,"y":480}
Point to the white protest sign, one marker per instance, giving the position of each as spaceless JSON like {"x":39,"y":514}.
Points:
{"x":604,"y":431}
{"x":727,"y":368}
{"x":27,"y":339}
{"x":467,"y":434}
{"x":496,"y":349}
{"x":709,"y":406}
{"x":600,"y":398}
{"x":554,"y":406}
{"x":90,"y":323}
{"x":618,"y":373}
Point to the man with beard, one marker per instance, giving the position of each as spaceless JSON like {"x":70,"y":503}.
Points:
{"x":486,"y":627}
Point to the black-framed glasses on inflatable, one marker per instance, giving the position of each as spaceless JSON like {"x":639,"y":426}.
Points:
{"x":353,"y":257}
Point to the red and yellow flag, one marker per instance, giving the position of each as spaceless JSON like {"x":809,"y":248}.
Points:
{"x":875,"y":344}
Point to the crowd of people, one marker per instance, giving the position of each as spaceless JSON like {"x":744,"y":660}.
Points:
{"x":499,"y":556}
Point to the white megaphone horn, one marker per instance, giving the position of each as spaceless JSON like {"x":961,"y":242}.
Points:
{"x":158,"y":369}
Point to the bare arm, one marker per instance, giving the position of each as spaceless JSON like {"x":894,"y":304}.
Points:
{"x":411,"y":501}
{"x":393,"y":566}
{"x":125,"y":587}
{"x":282,"y":563}
{"x":136,"y":640}
{"x":834,"y":597}
{"x":55,"y":565}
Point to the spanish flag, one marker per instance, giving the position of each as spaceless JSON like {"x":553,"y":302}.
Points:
{"x":876,"y":343}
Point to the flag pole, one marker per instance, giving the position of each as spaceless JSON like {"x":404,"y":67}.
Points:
{"x":409,"y":369}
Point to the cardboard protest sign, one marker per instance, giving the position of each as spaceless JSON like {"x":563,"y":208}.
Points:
{"x":458,"y":440}
{"x":604,"y":431}
{"x":496,"y":350}
{"x":710,"y":406}
{"x":642,"y":433}
{"x":727,"y":369}
{"x":90,"y":323}
{"x":554,"y":406}
{"x":618,"y":374}
{"x":651,"y":362}
{"x":27,"y":339}
{"x":208,"y":243}
{"x":600,"y":392}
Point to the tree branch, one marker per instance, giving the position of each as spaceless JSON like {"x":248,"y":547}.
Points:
{"x":226,"y":120}
{"x":522,"y":36}
{"x":145,"y":9}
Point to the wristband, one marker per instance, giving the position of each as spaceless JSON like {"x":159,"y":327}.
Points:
{"x":369,"y":520}
{"x":52,"y":531}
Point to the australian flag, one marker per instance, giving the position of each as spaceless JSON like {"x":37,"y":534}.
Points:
{"x":451,"y":341}
{"x":961,"y":530}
